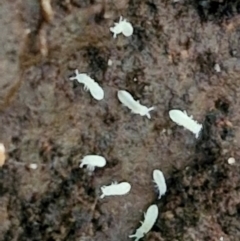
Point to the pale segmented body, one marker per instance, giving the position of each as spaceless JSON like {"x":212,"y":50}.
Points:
{"x":150,"y":218}
{"x":181,"y":118}
{"x":159,"y":180}
{"x":115,"y":189}
{"x":126,"y":99}
{"x":89,"y":84}
{"x":123,"y":27}
{"x":92,"y":161}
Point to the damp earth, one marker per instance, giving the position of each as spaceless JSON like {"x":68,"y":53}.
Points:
{"x":182,"y":55}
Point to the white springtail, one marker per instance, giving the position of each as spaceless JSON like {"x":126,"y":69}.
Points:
{"x":89,"y":84}
{"x":134,"y":105}
{"x":92,"y":161}
{"x":123,"y":26}
{"x":115,"y":189}
{"x":150,"y":218}
{"x":181,"y":118}
{"x":160,"y":182}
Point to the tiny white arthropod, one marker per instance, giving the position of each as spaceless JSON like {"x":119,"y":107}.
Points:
{"x":89,"y":84}
{"x":93,"y":161}
{"x":150,"y":218}
{"x":123,"y":27}
{"x":160,"y":182}
{"x":115,"y":189}
{"x":134,"y":105}
{"x":182,"y":119}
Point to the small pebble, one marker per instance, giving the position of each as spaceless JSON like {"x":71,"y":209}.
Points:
{"x":33,"y":166}
{"x":217,"y":68}
{"x":169,"y":132}
{"x":163,"y":131}
{"x":110,"y":62}
{"x":2,"y":155}
{"x":231,"y":160}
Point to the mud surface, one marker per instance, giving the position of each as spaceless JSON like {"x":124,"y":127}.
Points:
{"x":169,"y":62}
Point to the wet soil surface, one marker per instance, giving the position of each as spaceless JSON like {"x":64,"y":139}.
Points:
{"x":170,"y":63}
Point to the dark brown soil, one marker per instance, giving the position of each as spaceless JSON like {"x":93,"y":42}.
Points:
{"x":49,"y":120}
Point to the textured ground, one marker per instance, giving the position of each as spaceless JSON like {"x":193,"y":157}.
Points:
{"x":47,"y":119}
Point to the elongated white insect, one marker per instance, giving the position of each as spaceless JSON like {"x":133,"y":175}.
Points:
{"x":159,"y":180}
{"x":115,"y":189}
{"x":123,"y":26}
{"x":134,"y":105}
{"x":93,"y":161}
{"x":181,"y":118}
{"x":89,"y":84}
{"x":150,"y":218}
